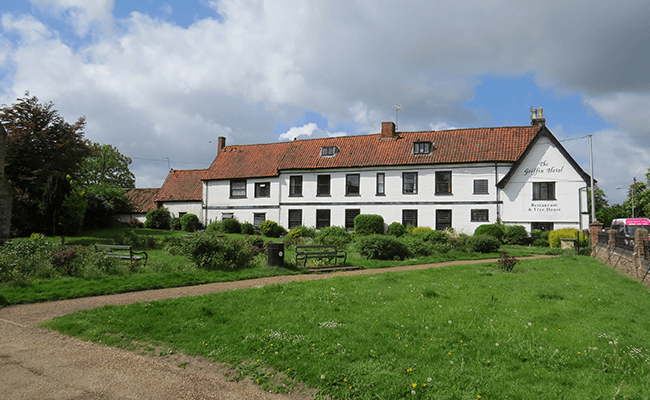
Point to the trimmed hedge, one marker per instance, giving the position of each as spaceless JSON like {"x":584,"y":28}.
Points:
{"x":368,"y":224}
{"x":396,"y":229}
{"x":190,"y":222}
{"x":272,"y":229}
{"x":495,"y":230}
{"x":483,"y":244}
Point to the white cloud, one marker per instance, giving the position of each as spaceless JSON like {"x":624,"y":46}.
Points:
{"x":311,"y":130}
{"x":160,"y":90}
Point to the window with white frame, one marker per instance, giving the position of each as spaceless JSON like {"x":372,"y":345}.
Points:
{"x":381,"y":178}
{"x":295,"y":218}
{"x":323,"y":185}
{"x":258,"y":218}
{"x":479,"y":215}
{"x":422,"y":148}
{"x":262,"y":189}
{"x":323,"y":218}
{"x":481,"y":186}
{"x":350,"y":215}
{"x":410,"y":217}
{"x":443,"y":182}
{"x":410,"y":183}
{"x":443,"y":219}
{"x":238,"y":188}
{"x":352,"y":184}
{"x":543,"y":190}
{"x":329,"y":151}
{"x":295,"y":186}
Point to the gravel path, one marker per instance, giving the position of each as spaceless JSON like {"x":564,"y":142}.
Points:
{"x":36,"y":363}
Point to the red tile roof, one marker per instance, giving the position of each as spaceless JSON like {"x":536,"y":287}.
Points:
{"x":182,"y":185}
{"x":502,"y":144}
{"x":142,"y":200}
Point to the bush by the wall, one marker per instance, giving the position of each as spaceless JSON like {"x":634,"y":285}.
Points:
{"x":301,"y":231}
{"x":432,"y":236}
{"x":158,"y":218}
{"x":555,"y":237}
{"x":538,"y":234}
{"x":248,"y":229}
{"x":368,"y":224}
{"x":416,"y":246}
{"x":211,"y":252}
{"x":380,"y":247}
{"x":515,"y":234}
{"x":541,"y":243}
{"x":272,"y":229}
{"x":495,"y":230}
{"x":334,"y":236}
{"x":420,"y":229}
{"x":190,"y":222}
{"x":130,"y":238}
{"x":175,"y":224}
{"x":214,"y":227}
{"x":230,"y":225}
{"x":483,"y":244}
{"x":396,"y":229}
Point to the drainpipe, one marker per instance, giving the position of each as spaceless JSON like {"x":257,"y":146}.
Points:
{"x":580,"y":206}
{"x":496,"y":188}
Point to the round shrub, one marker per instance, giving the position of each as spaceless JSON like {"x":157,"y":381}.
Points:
{"x":248,"y":229}
{"x":158,"y":218}
{"x":495,"y":230}
{"x":272,"y":229}
{"x":190,"y":222}
{"x":214,"y":227}
{"x":334,"y":236}
{"x":396,"y":229}
{"x":417,"y":247}
{"x":301,"y":231}
{"x":230,"y":225}
{"x":175,"y":224}
{"x":541,"y":243}
{"x":380,"y":247}
{"x":515,"y":234}
{"x":433,"y":236}
{"x":483,"y":244}
{"x":211,"y":252}
{"x":369,"y":224}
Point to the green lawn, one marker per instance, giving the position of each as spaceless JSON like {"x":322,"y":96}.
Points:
{"x":561,"y":328}
{"x":165,"y":270}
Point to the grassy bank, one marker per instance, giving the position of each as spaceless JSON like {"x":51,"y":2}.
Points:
{"x":566,"y":327}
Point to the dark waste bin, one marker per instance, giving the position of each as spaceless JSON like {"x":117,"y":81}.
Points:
{"x":276,"y":254}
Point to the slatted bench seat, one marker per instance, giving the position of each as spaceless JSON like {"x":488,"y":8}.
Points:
{"x":122,"y":252}
{"x":304,"y":253}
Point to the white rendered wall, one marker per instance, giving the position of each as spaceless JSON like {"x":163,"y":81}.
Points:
{"x":216,"y":195}
{"x":545,"y":163}
{"x":187,"y":207}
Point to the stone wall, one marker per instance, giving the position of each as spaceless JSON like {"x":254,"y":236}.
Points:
{"x":632,"y":259}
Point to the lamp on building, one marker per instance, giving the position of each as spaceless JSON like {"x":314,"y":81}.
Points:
{"x":619,"y":188}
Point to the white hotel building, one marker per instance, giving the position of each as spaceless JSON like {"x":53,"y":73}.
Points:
{"x":456,"y":178}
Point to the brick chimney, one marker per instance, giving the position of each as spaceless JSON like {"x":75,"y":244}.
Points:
{"x":221,"y":143}
{"x":387,"y":130}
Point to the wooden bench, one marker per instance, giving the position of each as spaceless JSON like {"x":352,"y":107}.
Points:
{"x":303,"y":253}
{"x":122,"y":252}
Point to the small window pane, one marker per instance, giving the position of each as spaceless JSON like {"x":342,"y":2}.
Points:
{"x":328,"y":151}
{"x":479,"y":216}
{"x":422,"y":148}
{"x":262,"y":189}
{"x":322,"y":218}
{"x":295,"y":218}
{"x":410,"y":217}
{"x":323,"y":188}
{"x":258,"y":218}
{"x":238,"y":188}
{"x":543,"y":190}
{"x":295,"y":186}
{"x":410,"y":183}
{"x":443,"y":182}
{"x":481,"y":186}
{"x":380,"y":183}
{"x":443,"y":219}
{"x":349,"y":218}
{"x":352,"y":184}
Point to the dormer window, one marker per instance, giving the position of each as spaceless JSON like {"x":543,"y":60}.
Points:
{"x":422,"y":147}
{"x":329,"y":151}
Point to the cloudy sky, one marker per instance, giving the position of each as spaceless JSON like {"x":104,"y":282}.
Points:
{"x":161,"y":80}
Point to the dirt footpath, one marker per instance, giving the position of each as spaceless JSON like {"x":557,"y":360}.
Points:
{"x":36,"y":363}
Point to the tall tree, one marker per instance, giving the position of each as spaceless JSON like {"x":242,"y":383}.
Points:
{"x":105,"y":174}
{"x":42,"y":150}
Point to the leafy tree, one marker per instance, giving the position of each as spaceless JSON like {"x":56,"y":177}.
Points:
{"x":42,"y":151}
{"x":105,"y":173}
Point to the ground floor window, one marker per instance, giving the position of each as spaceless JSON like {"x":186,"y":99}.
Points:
{"x":350,"y":215}
{"x":541,"y":226}
{"x":295,"y":218}
{"x":258,"y":218}
{"x":227,"y":215}
{"x":410,"y":217}
{"x":479,"y":216}
{"x":323,"y":218}
{"x":443,"y":219}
